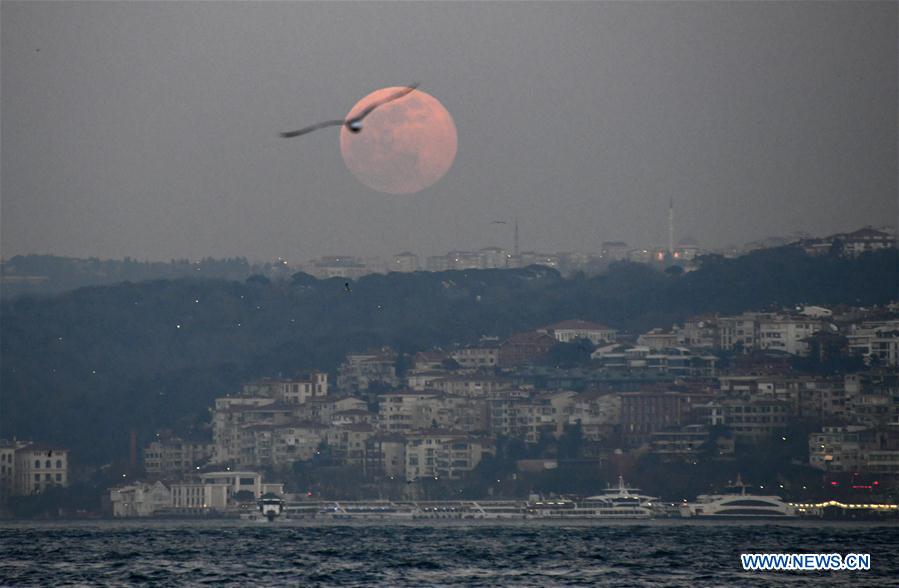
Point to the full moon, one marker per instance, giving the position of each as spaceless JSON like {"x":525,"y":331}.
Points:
{"x":404,"y":146}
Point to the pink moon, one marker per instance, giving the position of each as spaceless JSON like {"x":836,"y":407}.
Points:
{"x":404,"y":146}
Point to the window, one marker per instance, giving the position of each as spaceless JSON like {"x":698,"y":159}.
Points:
{"x":48,"y":464}
{"x":59,"y":463}
{"x":37,"y":477}
{"x":37,"y":464}
{"x":59,"y":477}
{"x":48,"y":477}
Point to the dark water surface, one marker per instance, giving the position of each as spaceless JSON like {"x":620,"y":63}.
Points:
{"x":657,"y":553}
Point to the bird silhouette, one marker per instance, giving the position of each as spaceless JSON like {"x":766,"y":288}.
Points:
{"x":347,"y":286}
{"x":354,"y":124}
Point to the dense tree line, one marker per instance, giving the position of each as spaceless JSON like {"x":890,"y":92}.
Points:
{"x":51,"y":274}
{"x":85,"y":367}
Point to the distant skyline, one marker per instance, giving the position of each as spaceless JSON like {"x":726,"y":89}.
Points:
{"x":150,"y":129}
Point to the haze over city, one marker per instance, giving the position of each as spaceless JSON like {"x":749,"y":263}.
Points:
{"x":150,"y":130}
{"x":449,"y":293}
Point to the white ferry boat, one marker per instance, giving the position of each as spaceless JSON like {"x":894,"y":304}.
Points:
{"x":375,"y":510}
{"x":271,"y":506}
{"x":735,"y":502}
{"x":614,"y":503}
{"x":622,"y":503}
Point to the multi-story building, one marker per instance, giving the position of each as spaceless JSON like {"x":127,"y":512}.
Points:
{"x":751,"y":420}
{"x":493,"y":258}
{"x":787,"y":334}
{"x":570,"y":330}
{"x":688,"y":441}
{"x":347,"y":443}
{"x":339,"y":266}
{"x":460,"y":413}
{"x":471,"y":385}
{"x":597,"y":413}
{"x":385,"y":455}
{"x":296,"y":441}
{"x":419,"y":381}
{"x":401,"y":412}
{"x":478,"y":357}
{"x":740,"y":332}
{"x":421,"y":452}
{"x":294,"y":391}
{"x":658,"y":339}
{"x":437,"y":263}
{"x":700,"y":331}
{"x":140,"y":499}
{"x":231,"y":433}
{"x":839,"y":449}
{"x":877,"y":341}
{"x":38,"y":467}
{"x":405,"y":262}
{"x":767,"y":331}
{"x":8,"y":468}
{"x":171,"y":457}
{"x":647,"y":411}
{"x":614,"y":250}
{"x":523,"y":347}
{"x":360,"y":370}
{"x":529,"y":418}
{"x":456,"y":458}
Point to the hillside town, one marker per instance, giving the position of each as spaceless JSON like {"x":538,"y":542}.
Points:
{"x":405,"y":425}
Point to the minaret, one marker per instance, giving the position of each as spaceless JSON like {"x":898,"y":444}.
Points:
{"x":516,"y":251}
{"x":671,"y":227}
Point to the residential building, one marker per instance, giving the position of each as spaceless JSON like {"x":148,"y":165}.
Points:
{"x":385,"y":455}
{"x":456,"y":458}
{"x":141,"y":499}
{"x":839,"y":449}
{"x":478,"y":357}
{"x":171,"y":457}
{"x":472,"y":385}
{"x":38,"y":467}
{"x":405,"y":262}
{"x":524,"y":347}
{"x":597,"y":413}
{"x":570,"y":330}
{"x":401,"y":412}
{"x":751,"y":420}
{"x":658,"y":339}
{"x":689,"y":441}
{"x":360,"y":370}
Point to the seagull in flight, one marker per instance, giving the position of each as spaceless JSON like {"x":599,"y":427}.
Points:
{"x":354,"y":125}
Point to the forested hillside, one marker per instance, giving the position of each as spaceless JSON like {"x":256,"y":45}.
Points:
{"x":84,"y":367}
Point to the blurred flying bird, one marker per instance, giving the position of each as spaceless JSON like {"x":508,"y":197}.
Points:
{"x":354,"y":124}
{"x":347,"y":286}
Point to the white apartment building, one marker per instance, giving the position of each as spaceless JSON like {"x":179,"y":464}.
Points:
{"x":140,"y":499}
{"x":38,"y":467}
{"x":570,"y":330}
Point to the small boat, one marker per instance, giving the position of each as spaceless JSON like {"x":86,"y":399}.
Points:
{"x":271,"y":506}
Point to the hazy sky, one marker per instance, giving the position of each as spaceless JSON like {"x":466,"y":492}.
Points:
{"x":150,"y":129}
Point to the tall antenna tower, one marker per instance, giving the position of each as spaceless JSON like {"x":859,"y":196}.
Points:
{"x":671,"y":227}
{"x":516,"y":251}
